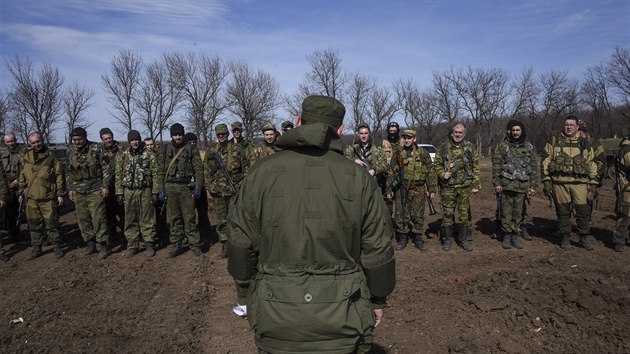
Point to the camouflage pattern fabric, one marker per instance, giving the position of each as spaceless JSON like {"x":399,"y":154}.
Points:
{"x":88,"y":168}
{"x":234,"y":159}
{"x":260,"y":151}
{"x":181,"y":214}
{"x":114,"y":212}
{"x":91,"y":216}
{"x":377,"y":157}
{"x":139,"y":216}
{"x":221,"y":207}
{"x":11,"y":161}
{"x":620,"y":233}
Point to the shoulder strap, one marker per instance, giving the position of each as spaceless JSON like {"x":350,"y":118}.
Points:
{"x":173,"y":161}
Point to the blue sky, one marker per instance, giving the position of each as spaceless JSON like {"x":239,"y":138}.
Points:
{"x":386,"y":40}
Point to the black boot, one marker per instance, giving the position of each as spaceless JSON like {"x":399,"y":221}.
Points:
{"x":469,"y":234}
{"x":417,"y":241}
{"x":175,"y":250}
{"x":90,"y":248}
{"x":447,"y":237}
{"x":565,"y":244}
{"x":515,"y":242}
{"x":58,"y":251}
{"x":35,"y":253}
{"x":4,"y":257}
{"x":619,"y":247}
{"x":507,"y":241}
{"x":150,"y":249}
{"x":402,"y":242}
{"x":463,"y":238}
{"x":105,"y":251}
{"x":585,"y":244}
{"x":224,"y":250}
{"x":525,"y":235}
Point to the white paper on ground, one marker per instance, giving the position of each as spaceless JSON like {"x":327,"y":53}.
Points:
{"x":240,"y":310}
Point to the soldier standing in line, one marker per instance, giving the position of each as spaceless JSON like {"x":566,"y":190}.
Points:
{"x":600,"y":161}
{"x":3,"y":197}
{"x":115,"y":213}
{"x":391,"y":146}
{"x":620,"y":234}
{"x":569,"y":174}
{"x":139,"y":187}
{"x":190,"y":138}
{"x":266,"y":147}
{"x":11,"y":157}
{"x":326,"y":285}
{"x":149,"y":144}
{"x":418,"y":180}
{"x":286,"y":126}
{"x":234,"y":160}
{"x":183,"y":184}
{"x":88,"y":186}
{"x":370,"y":156}
{"x":515,"y":176}
{"x":457,"y":168}
{"x":41,"y":182}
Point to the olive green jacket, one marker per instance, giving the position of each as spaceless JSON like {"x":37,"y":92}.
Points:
{"x":88,"y":169}
{"x":309,"y":246}
{"x":41,"y":177}
{"x":568,"y":160}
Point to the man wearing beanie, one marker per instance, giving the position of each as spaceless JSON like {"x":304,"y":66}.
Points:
{"x":139,"y":187}
{"x":11,"y":160}
{"x":233,"y":157}
{"x":89,"y":177}
{"x":267,"y":146}
{"x":183,"y":184}
{"x":515,"y":177}
{"x":115,"y":213}
{"x":310,"y":231}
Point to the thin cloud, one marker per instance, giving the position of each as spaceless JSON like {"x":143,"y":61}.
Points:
{"x":573,"y":21}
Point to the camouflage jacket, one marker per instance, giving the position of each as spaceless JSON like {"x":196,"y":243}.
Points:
{"x":261,"y":151}
{"x":12,"y":161}
{"x":187,"y":167}
{"x":462,"y":161}
{"x":87,"y":168}
{"x":568,"y":160}
{"x":623,"y":173}
{"x":375,"y":155}
{"x":600,"y":157}
{"x":138,"y":169}
{"x":41,"y":177}
{"x":235,"y":161}
{"x":514,"y":166}
{"x":417,"y":167}
{"x":109,"y":158}
{"x":4,"y":185}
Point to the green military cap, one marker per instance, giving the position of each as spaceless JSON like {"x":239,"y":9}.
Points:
{"x":409,"y":132}
{"x":78,"y":131}
{"x":268,"y":126}
{"x":363,"y":125}
{"x":323,"y":109}
{"x":237,"y":125}
{"x":286,"y":124}
{"x":582,"y":126}
{"x":221,"y":129}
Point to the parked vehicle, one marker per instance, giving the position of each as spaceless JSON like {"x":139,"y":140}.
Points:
{"x":430,"y":149}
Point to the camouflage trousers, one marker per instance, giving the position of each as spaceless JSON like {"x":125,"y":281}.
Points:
{"x":91,"y":216}
{"x":115,"y":215}
{"x":43,"y":220}
{"x":512,"y":205}
{"x":410,"y":218}
{"x":139,"y":216}
{"x":9,"y":214}
{"x":181,"y":214}
{"x":568,"y":198}
{"x":456,"y":200}
{"x":221,"y":208}
{"x":620,"y":234}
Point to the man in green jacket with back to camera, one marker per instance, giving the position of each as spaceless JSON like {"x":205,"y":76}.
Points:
{"x":309,"y":242}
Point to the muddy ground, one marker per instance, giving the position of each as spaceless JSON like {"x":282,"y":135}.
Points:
{"x":535,"y":300}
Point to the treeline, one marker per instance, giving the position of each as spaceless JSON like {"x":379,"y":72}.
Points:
{"x":200,"y":91}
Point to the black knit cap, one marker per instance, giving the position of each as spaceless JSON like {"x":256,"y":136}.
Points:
{"x":133,"y":135}
{"x":177,"y":129}
{"x":190,"y":137}
{"x":105,"y":131}
{"x":78,"y":131}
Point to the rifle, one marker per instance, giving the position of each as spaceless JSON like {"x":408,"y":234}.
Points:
{"x":20,"y":211}
{"x":403,"y":189}
{"x":618,"y":191}
{"x":163,"y":206}
{"x":366,"y":162}
{"x":432,"y":210}
{"x":226,"y":174}
{"x":499,"y":206}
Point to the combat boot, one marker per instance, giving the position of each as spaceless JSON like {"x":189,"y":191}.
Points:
{"x":35,"y":253}
{"x":585,"y":244}
{"x":150,"y":249}
{"x":224,"y":251}
{"x":525,"y":235}
{"x":419,"y":243}
{"x":104,"y":252}
{"x":175,"y":250}
{"x":507,"y":238}
{"x":131,"y":251}
{"x":58,"y":251}
{"x":447,"y":237}
{"x":469,"y":234}
{"x":515,"y":242}
{"x":402,"y":242}
{"x":619,"y":247}
{"x":463,"y":238}
{"x":565,"y":244}
{"x":4,"y":257}
{"x":90,"y":248}
{"x":197,"y":252}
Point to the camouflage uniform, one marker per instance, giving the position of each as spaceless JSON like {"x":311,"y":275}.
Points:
{"x":88,"y":173}
{"x":514,"y":168}
{"x":261,"y":151}
{"x":568,"y":167}
{"x":620,"y":234}
{"x":41,"y":181}
{"x":600,"y":161}
{"x":12,"y":164}
{"x":139,"y":181}
{"x":4,"y":188}
{"x":235,"y":161}
{"x":462,"y":161}
{"x":419,"y":179}
{"x":114,"y":212}
{"x":184,"y":176}
{"x":376,"y":157}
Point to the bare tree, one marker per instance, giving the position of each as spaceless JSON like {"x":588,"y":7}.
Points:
{"x":76,"y":101}
{"x":5,"y":109}
{"x":359,"y":90}
{"x":619,"y":75}
{"x":327,"y":76}
{"x":525,"y":92}
{"x":37,"y":97}
{"x":204,"y":95}
{"x":420,"y":108}
{"x":254,"y":97}
{"x":449,"y":103}
{"x":595,"y":95}
{"x":382,"y":106}
{"x":121,"y":86}
{"x":558,"y":98}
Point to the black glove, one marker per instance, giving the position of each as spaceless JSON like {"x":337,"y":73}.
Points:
{"x":196,"y":194}
{"x":154,"y":199}
{"x":120,"y":200}
{"x":162,"y":197}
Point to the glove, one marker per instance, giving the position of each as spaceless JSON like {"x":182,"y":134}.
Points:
{"x":154,"y":199}
{"x":196,"y":194}
{"x":547,"y":188}
{"x":120,"y":200}
{"x":162,"y":197}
